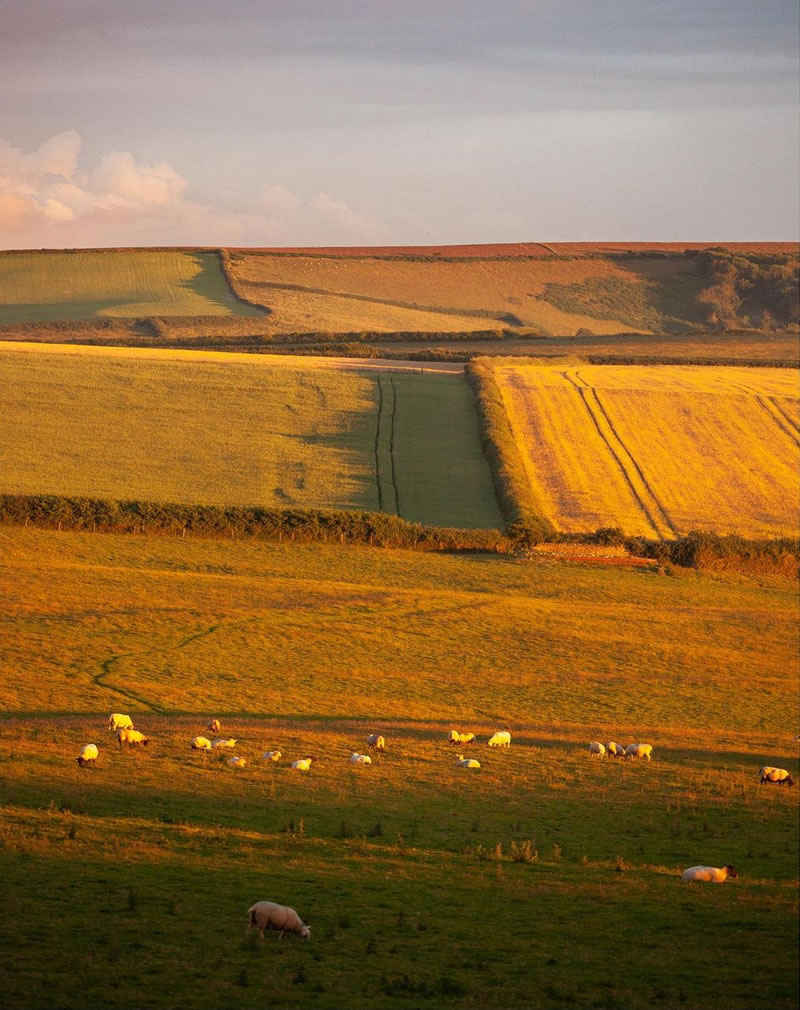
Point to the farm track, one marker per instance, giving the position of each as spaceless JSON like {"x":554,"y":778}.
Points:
{"x":641,"y":490}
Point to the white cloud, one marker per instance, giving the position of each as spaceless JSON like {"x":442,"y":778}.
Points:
{"x":46,"y":199}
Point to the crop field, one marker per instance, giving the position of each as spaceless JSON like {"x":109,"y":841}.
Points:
{"x":659,"y":450}
{"x":230,"y":429}
{"x":544,"y":295}
{"x":545,"y":878}
{"x":37,"y":287}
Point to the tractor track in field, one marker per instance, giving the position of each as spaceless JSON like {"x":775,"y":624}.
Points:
{"x":779,"y":418}
{"x":384,"y":448}
{"x":589,"y":396}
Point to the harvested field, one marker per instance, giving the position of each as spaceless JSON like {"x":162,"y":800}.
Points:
{"x":54,"y":285}
{"x":659,"y":450}
{"x":228,"y":429}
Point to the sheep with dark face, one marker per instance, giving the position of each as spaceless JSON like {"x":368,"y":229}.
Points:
{"x":269,"y":915}
{"x":132,"y":737}
{"x":775,"y":776}
{"x":88,"y":755}
{"x":710,"y":874}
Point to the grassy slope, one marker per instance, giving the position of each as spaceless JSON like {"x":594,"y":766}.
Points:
{"x":640,"y":446}
{"x":150,"y":860}
{"x":238,"y":430}
{"x":87,"y":285}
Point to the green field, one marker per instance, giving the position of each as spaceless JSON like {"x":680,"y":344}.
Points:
{"x":234,"y":429}
{"x":414,"y":874}
{"x":131,"y":283}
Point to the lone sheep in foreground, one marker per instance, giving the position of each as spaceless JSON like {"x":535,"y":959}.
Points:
{"x":271,"y":755}
{"x":201,"y":743}
{"x":214,"y":726}
{"x":596,"y":749}
{"x":269,"y":915}
{"x":463,"y":762}
{"x":615,"y":750}
{"x":88,"y":754}
{"x":376,"y":740}
{"x":132,"y":737}
{"x":638,"y":750}
{"x":709,"y":874}
{"x":776,"y":776}
{"x":360,"y":759}
{"x":302,"y":764}
{"x":117,"y":721}
{"x":500,"y":739}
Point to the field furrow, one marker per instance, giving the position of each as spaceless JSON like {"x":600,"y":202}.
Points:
{"x":781,"y":420}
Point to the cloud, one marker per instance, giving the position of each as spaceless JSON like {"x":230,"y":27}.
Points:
{"x":46,"y":199}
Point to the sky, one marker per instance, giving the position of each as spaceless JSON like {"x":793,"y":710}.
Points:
{"x":381,"y":122}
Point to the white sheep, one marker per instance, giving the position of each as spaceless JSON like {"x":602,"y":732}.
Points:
{"x":302,"y":764}
{"x":201,"y":743}
{"x":460,"y":738}
{"x":221,"y":742}
{"x":88,"y":754}
{"x":615,"y":750}
{"x":269,"y":915}
{"x":237,"y":762}
{"x":214,"y":726}
{"x":376,"y":740}
{"x":271,"y":755}
{"x":500,"y":739}
{"x":117,"y":721}
{"x":132,"y":737}
{"x":776,"y":776}
{"x":360,"y":759}
{"x":596,"y":749}
{"x":638,"y":750}
{"x":709,"y":874}
{"x":463,"y":762}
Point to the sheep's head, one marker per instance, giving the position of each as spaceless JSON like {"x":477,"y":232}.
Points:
{"x":305,"y":933}
{"x":732,"y":871}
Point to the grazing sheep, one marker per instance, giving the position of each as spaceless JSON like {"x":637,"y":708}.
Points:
{"x":500,"y":739}
{"x":776,"y":776}
{"x":237,"y":762}
{"x":360,"y":759}
{"x":638,"y":750}
{"x":88,"y":755}
{"x":463,"y":762}
{"x":376,"y":740}
{"x":460,"y":738}
{"x":596,"y":749}
{"x":117,"y":721}
{"x":302,"y":764}
{"x":201,"y":743}
{"x":222,"y":742}
{"x":268,"y":915}
{"x":271,"y":755}
{"x":709,"y":874}
{"x":214,"y":726}
{"x":615,"y":750}
{"x":132,"y":737}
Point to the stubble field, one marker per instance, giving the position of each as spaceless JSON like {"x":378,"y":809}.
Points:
{"x":659,"y":450}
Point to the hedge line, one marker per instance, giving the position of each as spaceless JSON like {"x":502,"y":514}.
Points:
{"x":652,"y":359}
{"x":222,"y":521}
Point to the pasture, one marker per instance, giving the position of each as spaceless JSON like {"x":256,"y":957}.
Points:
{"x":38,"y":287}
{"x":215,"y":428}
{"x":658,"y":450}
{"x":543,"y":879}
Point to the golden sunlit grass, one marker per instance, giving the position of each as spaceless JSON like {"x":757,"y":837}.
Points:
{"x":659,"y":450}
{"x":213,"y":428}
{"x":546,"y":877}
{"x":84,"y":285}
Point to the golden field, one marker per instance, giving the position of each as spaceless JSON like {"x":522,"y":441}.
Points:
{"x":235,"y":429}
{"x":659,"y":450}
{"x":353,"y":293}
